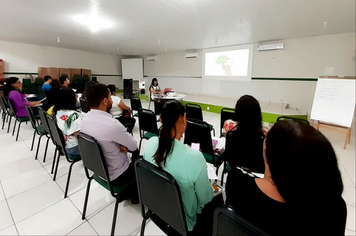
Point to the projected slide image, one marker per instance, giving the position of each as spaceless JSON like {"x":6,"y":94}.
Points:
{"x":227,"y":63}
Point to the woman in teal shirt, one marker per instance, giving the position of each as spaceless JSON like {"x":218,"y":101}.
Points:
{"x":185,"y":164}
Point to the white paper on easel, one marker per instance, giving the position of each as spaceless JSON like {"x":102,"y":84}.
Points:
{"x":334,"y":101}
{"x":211,"y":172}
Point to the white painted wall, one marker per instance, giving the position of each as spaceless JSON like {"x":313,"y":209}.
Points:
{"x":20,"y":57}
{"x":301,"y":58}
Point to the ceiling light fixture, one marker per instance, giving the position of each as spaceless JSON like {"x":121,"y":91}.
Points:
{"x":166,"y":48}
{"x":93,"y":21}
{"x":135,"y":52}
{"x":158,"y":41}
{"x":324,"y":24}
{"x":118,"y":49}
{"x":58,"y":41}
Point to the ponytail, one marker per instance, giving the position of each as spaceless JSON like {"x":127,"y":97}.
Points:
{"x":171,"y":111}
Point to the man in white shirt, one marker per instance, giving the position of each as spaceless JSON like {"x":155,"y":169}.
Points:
{"x":120,"y":111}
{"x":112,"y":136}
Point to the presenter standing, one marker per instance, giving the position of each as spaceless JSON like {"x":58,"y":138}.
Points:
{"x":154,"y":88}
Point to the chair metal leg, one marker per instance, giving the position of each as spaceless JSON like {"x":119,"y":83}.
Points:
{"x":114,"y":219}
{"x":8,"y":127}
{"x":143,"y":226}
{"x":38,"y":147}
{"x":139,"y":147}
{"x":18,"y":131}
{"x":13,"y":130}
{"x":86,"y":199}
{"x":56,"y":168}
{"x":3,"y":120}
{"x":33,"y":140}
{"x":214,"y":132}
{"x":45,"y":153}
{"x":54,"y":160}
{"x":68,"y":179}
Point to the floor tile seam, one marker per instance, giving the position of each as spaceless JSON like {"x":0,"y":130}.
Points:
{"x":38,"y":212}
{"x":8,"y":206}
{"x":100,"y":210}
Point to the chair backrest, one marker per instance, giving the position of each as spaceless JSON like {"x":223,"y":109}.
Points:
{"x":228,"y":222}
{"x":292,"y":118}
{"x":3,"y":103}
{"x":226,"y":114}
{"x":93,"y":157}
{"x":198,"y":131}
{"x":135,"y":102}
{"x":84,"y":105}
{"x":57,"y":135}
{"x":12,"y":111}
{"x":193,"y":111}
{"x":44,"y":120}
{"x":159,"y":105}
{"x":31,"y":116}
{"x":153,"y":183}
{"x":147,"y":121}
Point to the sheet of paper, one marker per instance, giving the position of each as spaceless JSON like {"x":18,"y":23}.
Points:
{"x":195,"y":146}
{"x":211,"y":172}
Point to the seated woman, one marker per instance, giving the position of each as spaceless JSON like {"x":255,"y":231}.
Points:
{"x":120,"y":111}
{"x":187,"y":166}
{"x":18,"y":100}
{"x":51,"y":95}
{"x":290,"y":200}
{"x":68,"y":119}
{"x":244,"y":141}
{"x":154,"y":88}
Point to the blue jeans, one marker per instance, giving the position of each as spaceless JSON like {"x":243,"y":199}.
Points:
{"x":74,"y":151}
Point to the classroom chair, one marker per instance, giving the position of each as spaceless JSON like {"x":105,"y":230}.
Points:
{"x":12,"y":113}
{"x":147,"y":124}
{"x":94,"y":160}
{"x":136,"y":105}
{"x":292,"y":118}
{"x":194,"y":111}
{"x":84,"y":104}
{"x":4,"y":109}
{"x":228,"y":222}
{"x":58,"y":138}
{"x":38,"y":129}
{"x":44,"y":123}
{"x":198,"y":131}
{"x":226,"y":114}
{"x":153,"y":183}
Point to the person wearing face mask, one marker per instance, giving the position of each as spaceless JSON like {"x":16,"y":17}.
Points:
{"x":112,"y":136}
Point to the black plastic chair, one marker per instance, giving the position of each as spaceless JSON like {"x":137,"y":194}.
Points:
{"x":58,"y":138}
{"x":292,"y":118}
{"x":4,"y":109}
{"x":12,"y":113}
{"x":84,"y":104}
{"x":136,"y":105}
{"x":194,"y":111}
{"x":94,"y":160}
{"x":226,"y":114}
{"x":38,"y":129}
{"x":198,"y":131}
{"x":44,"y":123}
{"x":153,"y":183}
{"x":148,"y":124}
{"x":228,"y":222}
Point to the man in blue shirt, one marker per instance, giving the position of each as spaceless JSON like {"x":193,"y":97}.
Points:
{"x":47,"y":83}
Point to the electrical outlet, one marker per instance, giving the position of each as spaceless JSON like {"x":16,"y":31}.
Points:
{"x":207,"y":108}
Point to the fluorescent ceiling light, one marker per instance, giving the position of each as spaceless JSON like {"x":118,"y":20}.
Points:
{"x":94,"y":22}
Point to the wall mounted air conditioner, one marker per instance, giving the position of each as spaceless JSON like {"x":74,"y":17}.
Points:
{"x":268,"y":47}
{"x":191,"y":55}
{"x":151,"y":58}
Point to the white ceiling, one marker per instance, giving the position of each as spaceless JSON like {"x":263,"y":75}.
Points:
{"x":178,"y":24}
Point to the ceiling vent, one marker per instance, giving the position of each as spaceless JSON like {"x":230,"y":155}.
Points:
{"x":151,"y":58}
{"x":191,"y":55}
{"x":269,"y":47}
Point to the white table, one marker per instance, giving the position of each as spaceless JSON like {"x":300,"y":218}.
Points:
{"x":177,"y":97}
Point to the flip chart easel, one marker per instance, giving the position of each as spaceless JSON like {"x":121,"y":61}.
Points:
{"x":334,"y":103}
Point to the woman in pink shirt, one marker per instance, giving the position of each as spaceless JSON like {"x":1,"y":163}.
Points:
{"x":18,"y":100}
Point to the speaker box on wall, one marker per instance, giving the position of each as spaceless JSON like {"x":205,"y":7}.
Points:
{"x":128,"y":88}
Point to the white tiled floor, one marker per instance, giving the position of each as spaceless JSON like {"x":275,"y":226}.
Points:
{"x":31,"y":203}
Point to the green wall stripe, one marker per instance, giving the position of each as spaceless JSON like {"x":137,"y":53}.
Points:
{"x":286,"y":79}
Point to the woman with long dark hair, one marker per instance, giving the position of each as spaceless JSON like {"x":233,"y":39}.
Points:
{"x":244,"y":141}
{"x":185,"y":164}
{"x":18,"y":100}
{"x":300,"y":193}
{"x":154,"y":88}
{"x":69,"y":120}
